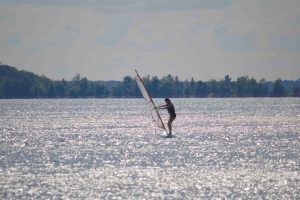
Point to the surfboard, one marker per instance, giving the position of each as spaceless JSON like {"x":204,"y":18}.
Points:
{"x":168,"y":136}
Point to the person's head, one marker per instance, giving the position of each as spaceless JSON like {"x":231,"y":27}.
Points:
{"x":167,"y":100}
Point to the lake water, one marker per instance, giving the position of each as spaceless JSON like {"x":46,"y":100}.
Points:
{"x":109,"y":148}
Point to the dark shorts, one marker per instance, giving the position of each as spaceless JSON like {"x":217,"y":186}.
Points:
{"x":173,"y":116}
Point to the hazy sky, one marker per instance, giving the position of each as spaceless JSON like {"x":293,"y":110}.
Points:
{"x":107,"y":39}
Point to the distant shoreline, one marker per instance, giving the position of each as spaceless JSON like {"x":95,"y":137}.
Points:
{"x":20,"y":84}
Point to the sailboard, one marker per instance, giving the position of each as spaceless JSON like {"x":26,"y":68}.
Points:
{"x":150,"y":103}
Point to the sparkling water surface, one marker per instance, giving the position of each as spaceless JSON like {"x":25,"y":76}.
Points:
{"x":109,"y":148}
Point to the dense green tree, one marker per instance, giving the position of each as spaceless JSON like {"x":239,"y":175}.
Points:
{"x":166,"y":86}
{"x":127,"y":86}
{"x":83,"y":85}
{"x":60,"y":88}
{"x":225,"y":86}
{"x":118,"y":91}
{"x":9,"y":88}
{"x":201,"y":89}
{"x":296,"y":91}
{"x":154,"y":86}
{"x":262,"y":89}
{"x":213,"y":88}
{"x":177,"y":87}
{"x":278,"y":89}
{"x":186,"y":88}
{"x":101,"y":91}
{"x":193,"y":88}
{"x":241,"y":86}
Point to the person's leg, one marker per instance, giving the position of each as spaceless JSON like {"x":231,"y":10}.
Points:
{"x":171,"y":119}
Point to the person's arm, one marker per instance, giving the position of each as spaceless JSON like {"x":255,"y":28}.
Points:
{"x":161,"y":107}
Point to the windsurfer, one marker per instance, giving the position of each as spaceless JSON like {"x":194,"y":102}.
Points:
{"x":171,"y":110}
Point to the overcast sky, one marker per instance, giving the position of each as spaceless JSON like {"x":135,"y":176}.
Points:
{"x":108,"y":39}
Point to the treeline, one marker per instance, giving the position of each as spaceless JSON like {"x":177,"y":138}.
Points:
{"x":170,"y":86}
{"x":22,"y":84}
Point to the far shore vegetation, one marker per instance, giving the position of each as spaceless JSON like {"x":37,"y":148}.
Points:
{"x":16,"y":83}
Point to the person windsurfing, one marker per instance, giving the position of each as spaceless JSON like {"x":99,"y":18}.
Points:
{"x":171,"y":110}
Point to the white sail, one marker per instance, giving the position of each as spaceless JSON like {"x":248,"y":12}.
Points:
{"x":152,"y":108}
